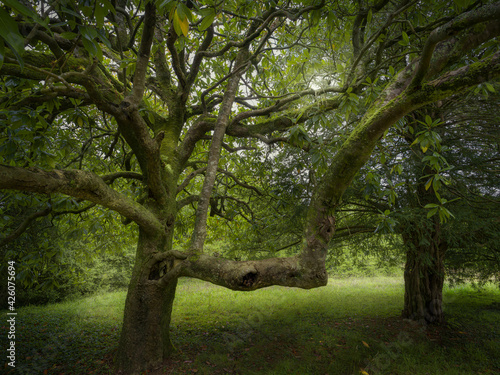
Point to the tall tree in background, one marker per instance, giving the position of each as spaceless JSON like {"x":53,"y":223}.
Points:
{"x":112,"y":102}
{"x":435,"y":184}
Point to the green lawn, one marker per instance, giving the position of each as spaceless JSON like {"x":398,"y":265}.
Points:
{"x":352,"y":326}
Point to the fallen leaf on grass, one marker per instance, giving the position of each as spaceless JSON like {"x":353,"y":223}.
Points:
{"x":365,"y":344}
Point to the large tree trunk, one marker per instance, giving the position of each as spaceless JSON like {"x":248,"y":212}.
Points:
{"x":145,"y":337}
{"x":424,"y":274}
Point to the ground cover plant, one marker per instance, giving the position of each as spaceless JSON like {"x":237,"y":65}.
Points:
{"x":351,"y":326}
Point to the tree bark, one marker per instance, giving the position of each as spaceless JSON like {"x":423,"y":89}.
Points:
{"x":424,"y":274}
{"x":145,"y":337}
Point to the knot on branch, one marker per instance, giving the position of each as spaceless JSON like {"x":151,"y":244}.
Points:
{"x":249,"y":279}
{"x":327,"y":228}
{"x":159,"y":137}
{"x":163,"y":263}
{"x":128,"y":107}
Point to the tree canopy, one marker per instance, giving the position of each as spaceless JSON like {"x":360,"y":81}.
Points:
{"x":160,"y":111}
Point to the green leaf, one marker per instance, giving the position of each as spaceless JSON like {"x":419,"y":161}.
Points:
{"x":25,"y":11}
{"x":184,"y":12}
{"x":99,"y":14}
{"x":432,"y":212}
{"x":406,"y":39}
{"x":369,"y":17}
{"x":207,"y":21}
{"x":69,"y":35}
{"x":178,"y":24}
{"x":164,"y":3}
{"x":10,"y":34}
{"x":90,"y":46}
{"x":428,"y":120}
{"x":428,"y":184}
{"x":490,"y":87}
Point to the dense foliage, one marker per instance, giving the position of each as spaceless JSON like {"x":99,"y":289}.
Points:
{"x":172,"y":116}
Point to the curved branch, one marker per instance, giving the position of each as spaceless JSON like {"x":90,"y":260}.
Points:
{"x":252,"y":275}
{"x":198,"y":57}
{"x":455,"y":26}
{"x":189,"y":177}
{"x":78,"y":184}
{"x":238,"y":182}
{"x":24,"y":225}
{"x":187,"y":201}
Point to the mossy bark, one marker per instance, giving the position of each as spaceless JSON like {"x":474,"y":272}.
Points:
{"x":145,"y":338}
{"x":424,"y":275}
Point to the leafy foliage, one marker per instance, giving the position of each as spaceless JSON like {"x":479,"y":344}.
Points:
{"x":259,"y":114}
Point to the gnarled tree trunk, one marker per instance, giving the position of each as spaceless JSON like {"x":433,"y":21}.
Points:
{"x":145,"y":338}
{"x":424,"y":274}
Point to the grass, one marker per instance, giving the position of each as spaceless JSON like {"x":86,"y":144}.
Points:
{"x":348,"y":327}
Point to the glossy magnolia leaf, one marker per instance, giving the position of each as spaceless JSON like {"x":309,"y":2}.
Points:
{"x":428,"y":184}
{"x":490,"y":87}
{"x":207,"y":20}
{"x":181,"y":26}
{"x":184,"y":12}
{"x":102,"y":8}
{"x":21,"y":9}
{"x":428,"y":120}
{"x":432,"y":212}
{"x":10,"y":34}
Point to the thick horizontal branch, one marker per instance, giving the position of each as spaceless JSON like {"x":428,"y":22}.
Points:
{"x":252,"y":275}
{"x":281,"y":103}
{"x":78,"y":184}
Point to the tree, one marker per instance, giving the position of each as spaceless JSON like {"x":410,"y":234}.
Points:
{"x":145,"y":84}
{"x":435,"y":185}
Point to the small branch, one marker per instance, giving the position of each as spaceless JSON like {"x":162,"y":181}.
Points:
{"x":198,"y":57}
{"x":144,"y":52}
{"x":74,"y":212}
{"x":48,"y":74}
{"x":187,"y":201}
{"x":110,"y":178}
{"x":176,"y":64}
{"x":238,"y":182}
{"x":24,"y":225}
{"x":455,"y":26}
{"x":189,"y":177}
